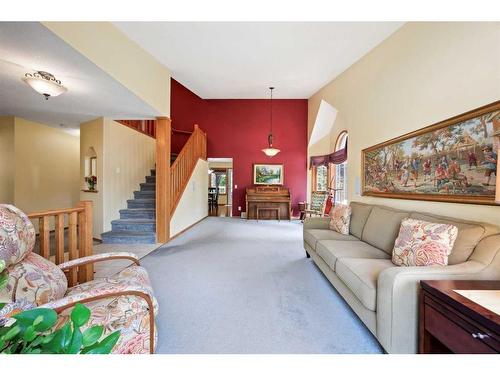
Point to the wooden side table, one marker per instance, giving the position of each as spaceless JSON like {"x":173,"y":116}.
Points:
{"x":277,"y":209}
{"x":452,"y":323}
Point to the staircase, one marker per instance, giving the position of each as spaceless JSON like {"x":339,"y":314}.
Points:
{"x":137,"y":223}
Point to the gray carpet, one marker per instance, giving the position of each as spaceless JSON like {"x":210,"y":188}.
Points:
{"x":235,"y":286}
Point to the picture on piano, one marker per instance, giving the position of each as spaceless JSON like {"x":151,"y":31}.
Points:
{"x":268,"y":174}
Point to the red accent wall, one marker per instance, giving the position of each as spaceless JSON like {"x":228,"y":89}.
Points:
{"x":238,"y":129}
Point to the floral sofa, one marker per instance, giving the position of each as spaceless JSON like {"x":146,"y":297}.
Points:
{"x":122,"y":302}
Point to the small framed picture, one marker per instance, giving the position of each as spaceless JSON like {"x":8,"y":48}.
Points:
{"x":268,"y":174}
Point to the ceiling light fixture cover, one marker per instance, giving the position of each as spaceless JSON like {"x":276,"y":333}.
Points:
{"x":45,"y":84}
{"x":270,"y":150}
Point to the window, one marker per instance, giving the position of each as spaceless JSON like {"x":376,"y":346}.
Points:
{"x":218,"y":179}
{"x":321,"y":174}
{"x":340,"y":172}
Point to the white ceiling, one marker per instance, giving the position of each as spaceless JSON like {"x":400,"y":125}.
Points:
{"x":242,"y":59}
{"x":29,"y":46}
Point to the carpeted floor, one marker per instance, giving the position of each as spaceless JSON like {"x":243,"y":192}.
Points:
{"x":235,"y":286}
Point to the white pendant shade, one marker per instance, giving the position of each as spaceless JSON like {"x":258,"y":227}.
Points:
{"x":271,"y":151}
{"x":45,"y":84}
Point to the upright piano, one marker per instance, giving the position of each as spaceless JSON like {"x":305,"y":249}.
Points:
{"x":268,"y":202}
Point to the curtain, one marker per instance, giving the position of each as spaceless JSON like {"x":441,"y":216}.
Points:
{"x":338,"y":157}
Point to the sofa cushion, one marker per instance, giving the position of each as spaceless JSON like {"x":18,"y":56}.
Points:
{"x":312,"y":236}
{"x":330,"y":251}
{"x":382,"y":227}
{"x":359,"y":215}
{"x":469,"y":234}
{"x":360,"y":276}
{"x":422,"y":243}
{"x":340,"y":218}
{"x":17,"y":235}
{"x":35,"y":280}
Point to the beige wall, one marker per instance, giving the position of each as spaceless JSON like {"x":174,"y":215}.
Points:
{"x":422,"y":74}
{"x":193,"y":205}
{"x":7,"y":159}
{"x":47,"y":167}
{"x":129,"y":157}
{"x":124,"y":60}
{"x":92,"y":135}
{"x":124,"y":158}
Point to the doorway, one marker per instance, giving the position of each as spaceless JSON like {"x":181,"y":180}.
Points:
{"x":220,"y":187}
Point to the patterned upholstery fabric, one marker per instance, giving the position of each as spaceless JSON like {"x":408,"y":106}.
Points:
{"x":340,"y":218}
{"x":421,"y":243}
{"x":134,"y":277}
{"x":129,"y":313}
{"x":17,"y":234}
{"x":34,"y":279}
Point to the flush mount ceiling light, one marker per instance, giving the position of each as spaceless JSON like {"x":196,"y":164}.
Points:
{"x":270,"y":150}
{"x":44,"y":83}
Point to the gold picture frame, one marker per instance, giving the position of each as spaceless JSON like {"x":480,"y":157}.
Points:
{"x":268,"y":174}
{"x":454,"y":160}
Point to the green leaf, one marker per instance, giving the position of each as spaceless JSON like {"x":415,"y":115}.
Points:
{"x":61,"y":339}
{"x":91,"y":335}
{"x":80,"y":315}
{"x":29,"y":334}
{"x":27,"y":318}
{"x":11,"y":333}
{"x":76,"y":342}
{"x":4,"y":279}
{"x":2,"y":304}
{"x":105,"y":345}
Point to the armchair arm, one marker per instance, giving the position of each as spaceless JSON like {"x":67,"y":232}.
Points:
{"x":397,"y":301}
{"x":317,"y":223}
{"x":110,"y":291}
{"x":99,"y":258}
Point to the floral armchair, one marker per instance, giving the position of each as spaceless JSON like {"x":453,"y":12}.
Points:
{"x":122,"y":302}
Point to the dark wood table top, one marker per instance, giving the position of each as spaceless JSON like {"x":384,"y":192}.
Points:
{"x":444,"y":290}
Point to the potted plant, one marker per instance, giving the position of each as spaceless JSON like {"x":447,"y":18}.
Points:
{"x":31,"y":331}
{"x":91,"y":182}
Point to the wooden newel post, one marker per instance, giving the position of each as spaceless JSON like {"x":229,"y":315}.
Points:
{"x":85,"y":229}
{"x":163,"y":134}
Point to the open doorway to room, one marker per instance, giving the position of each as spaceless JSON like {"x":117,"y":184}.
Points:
{"x":220,"y":187}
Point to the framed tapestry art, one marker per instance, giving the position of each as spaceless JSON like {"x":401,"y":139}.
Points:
{"x":268,"y":174}
{"x":455,"y":160}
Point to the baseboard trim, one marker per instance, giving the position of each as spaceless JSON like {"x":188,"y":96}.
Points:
{"x":186,"y":229}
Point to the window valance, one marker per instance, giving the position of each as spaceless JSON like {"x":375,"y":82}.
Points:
{"x":338,"y":157}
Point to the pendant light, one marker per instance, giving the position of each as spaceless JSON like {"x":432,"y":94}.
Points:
{"x":44,"y":83}
{"x":270,"y":150}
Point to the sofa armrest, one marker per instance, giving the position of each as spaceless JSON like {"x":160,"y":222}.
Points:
{"x":112,"y":290}
{"x":99,"y":258}
{"x":397,"y":301}
{"x":317,"y":223}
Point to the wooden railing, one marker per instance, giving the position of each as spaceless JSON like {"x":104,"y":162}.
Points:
{"x":79,"y":224}
{"x":182,"y":168}
{"x":148,"y":127}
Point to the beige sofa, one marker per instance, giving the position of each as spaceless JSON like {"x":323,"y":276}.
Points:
{"x":384,"y":296}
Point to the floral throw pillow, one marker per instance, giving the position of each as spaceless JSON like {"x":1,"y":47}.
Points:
{"x":421,"y":243}
{"x":340,"y":218}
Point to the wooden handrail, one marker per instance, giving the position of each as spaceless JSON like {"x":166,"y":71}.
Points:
{"x":148,"y":127}
{"x":79,"y":221}
{"x":183,"y":166}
